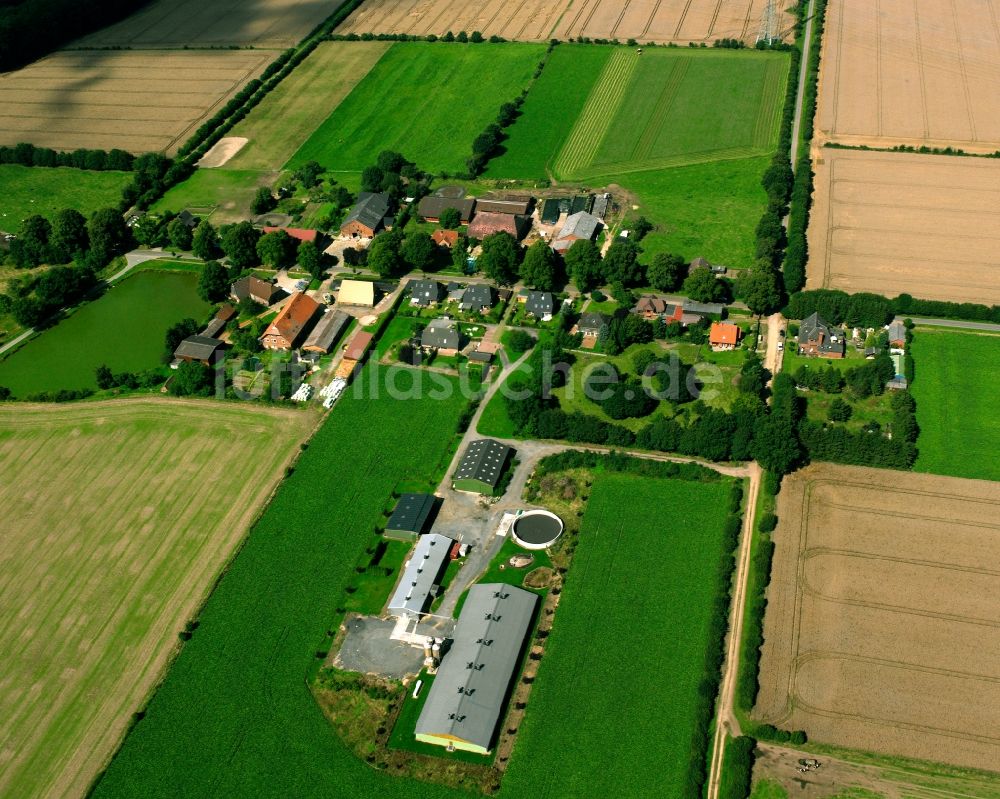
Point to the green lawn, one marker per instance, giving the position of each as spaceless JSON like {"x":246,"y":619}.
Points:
{"x":287,"y":116}
{"x":28,"y":190}
{"x":614,"y":703}
{"x":222,"y":195}
{"x":957,"y":381}
{"x":425,"y":100}
{"x":124,"y":329}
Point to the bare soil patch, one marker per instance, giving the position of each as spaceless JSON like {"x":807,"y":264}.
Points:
{"x":540,"y":20}
{"x":118,"y":517}
{"x":883,"y":618}
{"x":906,"y":223}
{"x":911,"y":72}
{"x":223,"y":150}
{"x":137,"y":101}
{"x":195,"y":23}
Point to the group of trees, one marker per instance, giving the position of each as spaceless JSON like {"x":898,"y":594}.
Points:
{"x":839,"y":307}
{"x":97,"y":160}
{"x":391,"y":173}
{"x":70,"y":237}
{"x":36,"y":301}
{"x":862,"y":381}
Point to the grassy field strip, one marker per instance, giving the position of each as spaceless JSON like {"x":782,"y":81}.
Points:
{"x":114,"y":534}
{"x":26,"y":190}
{"x":595,"y":118}
{"x":667,"y":162}
{"x":647,"y":141}
{"x":289,"y":114}
{"x":769,"y":116}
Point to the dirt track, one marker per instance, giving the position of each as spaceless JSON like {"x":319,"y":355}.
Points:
{"x":137,"y":101}
{"x":883,"y":618}
{"x":911,"y":72}
{"x":896,"y":223}
{"x":540,"y":20}
{"x":118,"y":517}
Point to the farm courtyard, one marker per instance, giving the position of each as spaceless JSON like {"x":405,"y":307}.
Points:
{"x":118,"y":517}
{"x":894,"y":223}
{"x":881,"y":628}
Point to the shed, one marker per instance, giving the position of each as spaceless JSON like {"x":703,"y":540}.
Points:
{"x":520,"y":207}
{"x":466,"y":702}
{"x":356,"y":292}
{"x":411,"y":516}
{"x":356,"y":350}
{"x":550,"y":211}
{"x":420,"y":575}
{"x":481,"y":466}
{"x":326,"y":332}
{"x":431,"y":207}
{"x":485,"y":224}
{"x":198,"y":348}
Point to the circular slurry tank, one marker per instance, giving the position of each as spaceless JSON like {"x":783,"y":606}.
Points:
{"x":537,"y":529}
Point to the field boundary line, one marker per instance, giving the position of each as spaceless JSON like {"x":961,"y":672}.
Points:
{"x":668,"y":162}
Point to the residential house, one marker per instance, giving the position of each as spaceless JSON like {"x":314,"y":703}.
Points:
{"x":367,"y":217}
{"x":326,"y":332}
{"x":577,"y":227}
{"x":723,"y":336}
{"x":651,"y":308}
{"x":203,"y":349}
{"x":424,"y":293}
{"x":897,"y":334}
{"x":189,"y":219}
{"x":539,"y":304}
{"x":478,"y":297}
{"x":292,"y":324}
{"x":441,"y":335}
{"x":590,"y":324}
{"x":485,"y":224}
{"x":445,"y":238}
{"x":481,"y":466}
{"x":356,"y":292}
{"x":431,"y":207}
{"x":699,"y":263}
{"x":256,"y":289}
{"x":818,"y":339}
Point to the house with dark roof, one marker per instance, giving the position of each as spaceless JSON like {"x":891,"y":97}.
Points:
{"x":466,"y":701}
{"x":818,"y":340}
{"x":478,"y":297}
{"x":419,"y":582}
{"x":539,"y":304}
{"x":367,"y":217}
{"x":292,"y":323}
{"x":651,"y":308}
{"x":590,"y":324}
{"x":481,"y":466}
{"x":256,"y":289}
{"x":326,"y":332}
{"x":425,"y":292}
{"x":431,"y":207}
{"x":411,"y":516}
{"x":441,"y":335}
{"x":578,"y":226}
{"x":485,"y":224}
{"x":189,"y":219}
{"x":203,"y":349}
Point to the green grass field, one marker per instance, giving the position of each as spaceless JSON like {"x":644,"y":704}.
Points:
{"x":118,"y":516}
{"x":124,"y":328}
{"x":427,"y":101}
{"x":957,"y":380}
{"x":28,"y":190}
{"x":221,"y":195}
{"x":289,"y":114}
{"x":627,"y":650}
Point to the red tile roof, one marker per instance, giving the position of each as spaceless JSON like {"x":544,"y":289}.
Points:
{"x":723,"y":333}
{"x":302,"y":234}
{"x":449,"y":238}
{"x":296,"y":314}
{"x":356,"y":349}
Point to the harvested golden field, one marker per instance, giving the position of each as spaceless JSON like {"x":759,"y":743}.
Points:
{"x":541,"y":20}
{"x":137,"y":101}
{"x":911,"y":72}
{"x":892,"y":223}
{"x":196,"y":23}
{"x":883,"y":617}
{"x":118,"y":516}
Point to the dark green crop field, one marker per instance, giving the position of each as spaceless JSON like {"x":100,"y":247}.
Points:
{"x":427,"y":101}
{"x":956,"y":386}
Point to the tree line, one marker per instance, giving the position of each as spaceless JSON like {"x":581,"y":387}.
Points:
{"x":873,"y":310}
{"x":27,"y":154}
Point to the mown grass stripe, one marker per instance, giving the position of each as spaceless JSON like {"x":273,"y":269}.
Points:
{"x":644,"y":147}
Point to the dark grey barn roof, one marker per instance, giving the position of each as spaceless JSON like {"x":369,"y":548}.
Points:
{"x":370,"y":209}
{"x":411,"y":513}
{"x":199,"y":348}
{"x":484,"y":460}
{"x":467,"y":698}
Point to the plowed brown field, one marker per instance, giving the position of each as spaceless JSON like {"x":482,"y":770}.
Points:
{"x":540,"y":20}
{"x":911,"y":72}
{"x":896,"y":223}
{"x":118,"y":516}
{"x":137,"y":101}
{"x":883,"y":618}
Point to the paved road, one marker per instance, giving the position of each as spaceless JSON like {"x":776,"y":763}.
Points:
{"x":15,"y":341}
{"x":987,"y":327}
{"x":800,"y":94}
